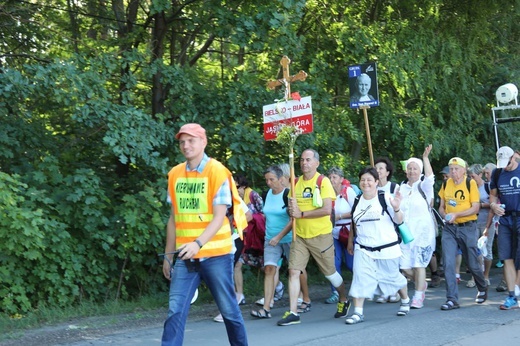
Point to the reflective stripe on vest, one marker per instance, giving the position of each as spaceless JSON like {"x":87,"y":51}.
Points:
{"x":192,"y":197}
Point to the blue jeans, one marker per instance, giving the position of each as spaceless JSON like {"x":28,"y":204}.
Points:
{"x":341,"y":255}
{"x":465,"y":238}
{"x":217,"y":273}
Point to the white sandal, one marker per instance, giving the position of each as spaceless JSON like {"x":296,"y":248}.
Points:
{"x":404,"y":309}
{"x":355,"y":318}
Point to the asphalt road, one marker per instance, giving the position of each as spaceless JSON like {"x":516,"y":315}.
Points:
{"x":472,"y":324}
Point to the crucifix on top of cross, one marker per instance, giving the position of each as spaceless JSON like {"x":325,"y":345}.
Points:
{"x":287,"y":78}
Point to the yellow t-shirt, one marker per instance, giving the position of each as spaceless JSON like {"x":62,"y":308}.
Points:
{"x":457,"y":198}
{"x":304,"y":190}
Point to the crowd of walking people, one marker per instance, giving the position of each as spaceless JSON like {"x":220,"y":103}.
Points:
{"x":385,"y":233}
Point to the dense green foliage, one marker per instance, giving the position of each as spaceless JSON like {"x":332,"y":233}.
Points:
{"x":92,"y":93}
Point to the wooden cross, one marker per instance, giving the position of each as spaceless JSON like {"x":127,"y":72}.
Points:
{"x":287,"y":78}
{"x":286,"y":81}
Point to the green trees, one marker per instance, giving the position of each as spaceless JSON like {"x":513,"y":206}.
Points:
{"x":92,"y":93}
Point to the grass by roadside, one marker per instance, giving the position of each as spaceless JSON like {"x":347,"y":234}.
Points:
{"x":11,"y":326}
{"x":153,"y":307}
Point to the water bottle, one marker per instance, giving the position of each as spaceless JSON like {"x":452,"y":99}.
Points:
{"x":405,"y":232}
{"x":496,"y":218}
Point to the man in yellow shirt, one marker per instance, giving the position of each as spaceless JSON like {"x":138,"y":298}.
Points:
{"x":459,"y":207}
{"x":312,"y":208}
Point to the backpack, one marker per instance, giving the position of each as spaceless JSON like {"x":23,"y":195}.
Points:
{"x":285,"y":197}
{"x":494,"y":177}
{"x":437,"y":219}
{"x":382,"y":201}
{"x":253,"y":250}
{"x":468,"y":186}
{"x":393,"y":186}
{"x":346,"y":184}
{"x":249,"y":199}
{"x":255,"y":234}
{"x":318,"y":186}
{"x":486,"y":187}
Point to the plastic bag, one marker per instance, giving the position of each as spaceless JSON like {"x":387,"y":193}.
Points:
{"x":317,"y":201}
{"x":482,"y":245}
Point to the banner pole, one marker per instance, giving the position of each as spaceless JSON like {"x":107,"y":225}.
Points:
{"x":369,"y":140}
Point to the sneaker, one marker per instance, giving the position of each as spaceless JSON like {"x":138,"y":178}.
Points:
{"x":288,"y":319}
{"x":471,"y":283}
{"x":404,"y":309}
{"x":499,"y":264}
{"x":510,"y":303}
{"x":333,"y":299}
{"x":502,"y":286}
{"x":417,"y":303}
{"x":218,"y":318}
{"x":278,"y":292}
{"x":435,"y":281}
{"x":342,"y":309}
{"x":260,"y":302}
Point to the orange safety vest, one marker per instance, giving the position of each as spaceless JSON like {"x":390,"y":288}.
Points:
{"x":192,"y":198}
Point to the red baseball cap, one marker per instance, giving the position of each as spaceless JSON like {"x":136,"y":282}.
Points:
{"x":192,"y":129}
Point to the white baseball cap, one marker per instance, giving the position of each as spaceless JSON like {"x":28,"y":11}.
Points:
{"x":503,"y":156}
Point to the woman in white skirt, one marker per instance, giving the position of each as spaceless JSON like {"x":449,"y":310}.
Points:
{"x":416,"y":209}
{"x":376,"y":247}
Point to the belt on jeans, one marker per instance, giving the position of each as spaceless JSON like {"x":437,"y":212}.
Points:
{"x":343,"y":224}
{"x":464,"y":224}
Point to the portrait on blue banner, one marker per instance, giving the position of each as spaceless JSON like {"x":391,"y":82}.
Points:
{"x":362,"y":81}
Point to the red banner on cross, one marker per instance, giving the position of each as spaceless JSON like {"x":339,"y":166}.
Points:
{"x":292,"y":112}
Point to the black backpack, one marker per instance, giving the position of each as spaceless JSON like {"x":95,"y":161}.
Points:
{"x":284,"y":196}
{"x":392,"y":187}
{"x":494,"y":177}
{"x":468,"y":186}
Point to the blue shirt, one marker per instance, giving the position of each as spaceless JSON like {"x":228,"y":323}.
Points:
{"x":508,"y":190}
{"x":276,"y":217}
